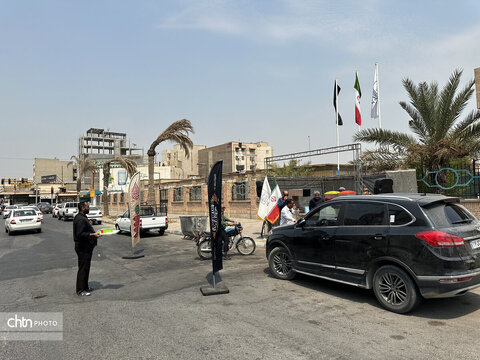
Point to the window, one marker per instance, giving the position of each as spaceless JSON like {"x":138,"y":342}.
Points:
{"x":240,"y":191}
{"x":178,"y":194}
{"x":324,"y":216}
{"x":163,"y":195}
{"x":122,"y":197}
{"x":363,"y":213}
{"x":195,"y":193}
{"x":446,"y":215}
{"x":397,"y":215}
{"x":114,"y":198}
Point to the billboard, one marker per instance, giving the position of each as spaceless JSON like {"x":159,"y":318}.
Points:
{"x":48,"y":179}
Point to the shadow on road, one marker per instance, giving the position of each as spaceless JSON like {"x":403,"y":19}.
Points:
{"x":438,"y":309}
{"x":95,"y":285}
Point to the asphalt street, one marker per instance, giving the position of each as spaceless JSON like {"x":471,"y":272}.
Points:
{"x":152,"y":308}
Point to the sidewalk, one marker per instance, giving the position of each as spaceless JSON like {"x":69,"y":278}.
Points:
{"x":251,"y":227}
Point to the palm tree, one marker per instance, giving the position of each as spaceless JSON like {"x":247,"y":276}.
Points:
{"x":128,"y":164}
{"x":439,"y":136}
{"x":83,"y":166}
{"x":177,"y":132}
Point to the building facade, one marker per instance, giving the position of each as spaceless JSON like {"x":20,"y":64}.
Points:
{"x":53,"y":171}
{"x":238,"y":157}
{"x":101,"y":145}
{"x":184,"y":167}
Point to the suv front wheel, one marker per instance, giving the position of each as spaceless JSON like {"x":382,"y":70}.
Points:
{"x":281,"y":264}
{"x":395,"y":290}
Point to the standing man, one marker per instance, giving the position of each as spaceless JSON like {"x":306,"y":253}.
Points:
{"x":315,"y":201}
{"x":282,"y":200}
{"x":85,"y":239}
{"x":286,"y":216}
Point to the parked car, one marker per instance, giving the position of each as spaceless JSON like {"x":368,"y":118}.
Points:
{"x":45,"y":207}
{"x":22,"y":220}
{"x":149,"y":221}
{"x":404,"y":247}
{"x":7,"y":209}
{"x":68,"y":211}
{"x":37,"y":210}
{"x":56,"y":209}
{"x":95,"y":215}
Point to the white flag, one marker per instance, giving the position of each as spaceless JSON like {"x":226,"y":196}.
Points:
{"x":264,"y":200}
{"x":375,"y":105}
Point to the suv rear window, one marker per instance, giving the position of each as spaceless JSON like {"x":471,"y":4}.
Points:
{"x":446,"y":215}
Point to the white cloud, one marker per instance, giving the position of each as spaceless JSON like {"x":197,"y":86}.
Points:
{"x":285,"y":20}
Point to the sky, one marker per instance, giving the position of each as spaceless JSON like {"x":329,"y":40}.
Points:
{"x":239,"y":70}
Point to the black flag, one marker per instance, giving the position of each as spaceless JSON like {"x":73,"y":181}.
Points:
{"x":214,"y":208}
{"x":336,"y":91}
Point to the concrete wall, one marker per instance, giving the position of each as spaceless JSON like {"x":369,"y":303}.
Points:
{"x":64,"y":170}
{"x":404,"y":181}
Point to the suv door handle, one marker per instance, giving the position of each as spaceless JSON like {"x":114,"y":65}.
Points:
{"x":379,"y":237}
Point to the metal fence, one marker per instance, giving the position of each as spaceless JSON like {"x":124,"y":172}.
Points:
{"x":460,"y":179}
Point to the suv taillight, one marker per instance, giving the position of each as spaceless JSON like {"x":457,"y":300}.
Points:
{"x":440,"y":239}
{"x":166,"y":220}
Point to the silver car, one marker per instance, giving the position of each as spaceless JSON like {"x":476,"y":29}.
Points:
{"x":95,"y":215}
{"x":22,"y":219}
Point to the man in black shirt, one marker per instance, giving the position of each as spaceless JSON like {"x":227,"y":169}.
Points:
{"x":85,"y":239}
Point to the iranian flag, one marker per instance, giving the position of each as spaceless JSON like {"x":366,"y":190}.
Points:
{"x":273,"y":211}
{"x":358,"y":95}
{"x":264,"y":200}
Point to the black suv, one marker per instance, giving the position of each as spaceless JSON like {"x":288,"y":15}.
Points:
{"x":404,"y":246}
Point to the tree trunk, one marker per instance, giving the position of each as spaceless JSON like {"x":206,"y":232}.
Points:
{"x":106,"y":176}
{"x":151,"y":181}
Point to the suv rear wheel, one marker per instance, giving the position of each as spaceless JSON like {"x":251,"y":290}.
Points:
{"x":281,"y":264}
{"x":395,"y":290}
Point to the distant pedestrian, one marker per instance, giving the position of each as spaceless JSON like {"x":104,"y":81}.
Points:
{"x":85,"y":239}
{"x":286,"y":216}
{"x":341,"y":188}
{"x":281,"y":201}
{"x":315,"y":201}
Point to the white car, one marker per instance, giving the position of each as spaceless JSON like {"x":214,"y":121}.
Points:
{"x":95,"y":215}
{"x":21,"y":220}
{"x":149,"y":221}
{"x":56,"y":209}
{"x":68,"y":211}
{"x":7,"y":210}
{"x":37,"y":210}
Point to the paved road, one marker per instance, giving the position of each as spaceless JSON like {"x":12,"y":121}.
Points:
{"x":152,"y":308}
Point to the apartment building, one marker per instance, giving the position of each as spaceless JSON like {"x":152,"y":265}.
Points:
{"x":238,"y":157}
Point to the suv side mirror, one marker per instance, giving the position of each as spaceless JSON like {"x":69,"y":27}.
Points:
{"x":301,"y":222}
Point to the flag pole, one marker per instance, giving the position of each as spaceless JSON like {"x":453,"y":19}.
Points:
{"x":338,"y":134}
{"x":378,"y":97}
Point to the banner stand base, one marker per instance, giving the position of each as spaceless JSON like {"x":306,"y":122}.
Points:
{"x":218,"y":290}
{"x":215,"y":289}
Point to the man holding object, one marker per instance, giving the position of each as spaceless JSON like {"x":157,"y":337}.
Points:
{"x":85,"y":239}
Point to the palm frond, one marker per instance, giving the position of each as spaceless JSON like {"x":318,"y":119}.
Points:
{"x":177,"y":132}
{"x":400,"y":141}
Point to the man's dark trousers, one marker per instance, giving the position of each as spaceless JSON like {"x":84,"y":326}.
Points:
{"x":84,"y":261}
